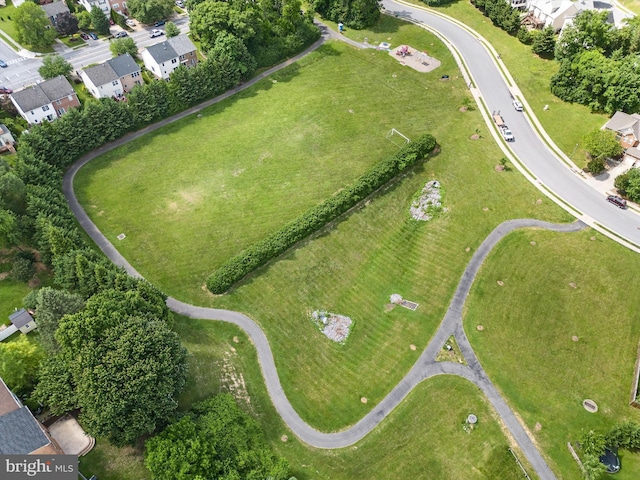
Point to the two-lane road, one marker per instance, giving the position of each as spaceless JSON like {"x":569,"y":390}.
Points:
{"x":533,"y":153}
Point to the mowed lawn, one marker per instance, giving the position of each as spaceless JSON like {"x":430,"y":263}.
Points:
{"x":351,"y":268}
{"x":199,"y":191}
{"x":422,"y":438}
{"x":563,"y":286}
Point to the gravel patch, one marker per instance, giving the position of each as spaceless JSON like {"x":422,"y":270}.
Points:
{"x":429,"y":203}
{"x":335,"y":327}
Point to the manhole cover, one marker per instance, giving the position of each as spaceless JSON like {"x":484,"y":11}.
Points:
{"x":472,"y":419}
{"x":122,"y":236}
{"x":590,"y":405}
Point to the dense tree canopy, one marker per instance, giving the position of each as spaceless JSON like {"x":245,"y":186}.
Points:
{"x":588,"y":31}
{"x":216,"y":440}
{"x":119,"y":362}
{"x":32,"y":26}
{"x":356,"y":14}
{"x":150,"y":11}
{"x":269,"y":29}
{"x":53,"y":66}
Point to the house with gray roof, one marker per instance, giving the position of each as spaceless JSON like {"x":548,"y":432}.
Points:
{"x":23,"y":321}
{"x":47,"y":100}
{"x":113,"y":78}
{"x":163,"y":58}
{"x":20,"y":432}
{"x":54,"y":10}
{"x":626,"y":127}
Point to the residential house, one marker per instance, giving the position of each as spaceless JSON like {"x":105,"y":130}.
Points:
{"x":559,"y":13}
{"x":54,"y":10}
{"x":627,"y":130}
{"x":106,"y":6}
{"x":23,"y":321}
{"x":47,"y":100}
{"x":163,"y":58}
{"x":113,"y":78}
{"x":20,"y":432}
{"x":626,"y":127}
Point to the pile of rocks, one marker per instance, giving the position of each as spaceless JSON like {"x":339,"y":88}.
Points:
{"x":335,"y":327}
{"x":429,"y":203}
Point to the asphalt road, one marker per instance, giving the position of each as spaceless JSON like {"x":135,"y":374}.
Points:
{"x":528,"y":147}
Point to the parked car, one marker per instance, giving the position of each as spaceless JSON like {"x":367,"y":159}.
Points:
{"x":159,"y":23}
{"x":5,"y":91}
{"x":111,"y":22}
{"x":155,"y":33}
{"x":93,"y":36}
{"x":84,"y":36}
{"x":518,"y":106}
{"x":3,"y":64}
{"x":617,"y":201}
{"x":130,"y":23}
{"x":121,"y":34}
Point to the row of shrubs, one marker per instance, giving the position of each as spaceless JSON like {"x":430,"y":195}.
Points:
{"x":317,"y":217}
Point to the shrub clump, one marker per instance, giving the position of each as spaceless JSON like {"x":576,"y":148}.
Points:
{"x":317,"y":217}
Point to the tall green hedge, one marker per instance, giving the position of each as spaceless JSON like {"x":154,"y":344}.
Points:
{"x":316,"y":217}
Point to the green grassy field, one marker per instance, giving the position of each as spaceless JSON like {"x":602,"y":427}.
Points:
{"x":351,"y":269}
{"x":566,"y":123}
{"x":562,"y":287}
{"x":423,"y":436}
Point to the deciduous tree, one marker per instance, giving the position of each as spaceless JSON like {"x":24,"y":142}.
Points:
{"x":216,"y":440}
{"x":150,"y":11}
{"x":19,"y":364}
{"x":53,"y":66}
{"x":120,"y":46}
{"x":66,"y":23}
{"x":32,"y":26}
{"x":171,"y":30}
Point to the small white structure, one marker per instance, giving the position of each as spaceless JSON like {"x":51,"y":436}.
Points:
{"x":23,"y":321}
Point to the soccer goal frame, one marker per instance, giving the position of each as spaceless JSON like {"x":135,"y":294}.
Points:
{"x":392,"y":137}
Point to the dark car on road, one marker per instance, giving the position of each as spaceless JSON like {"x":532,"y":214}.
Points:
{"x":159,"y":23}
{"x":3,"y":64}
{"x":617,"y":201}
{"x":121,"y":34}
{"x":93,"y":36}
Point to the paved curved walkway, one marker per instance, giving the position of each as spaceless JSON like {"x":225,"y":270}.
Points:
{"x":424,"y":368}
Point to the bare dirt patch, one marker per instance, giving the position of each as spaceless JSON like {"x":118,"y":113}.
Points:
{"x":4,"y":275}
{"x":415,"y":59}
{"x":475,"y":136}
{"x":234,"y":381}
